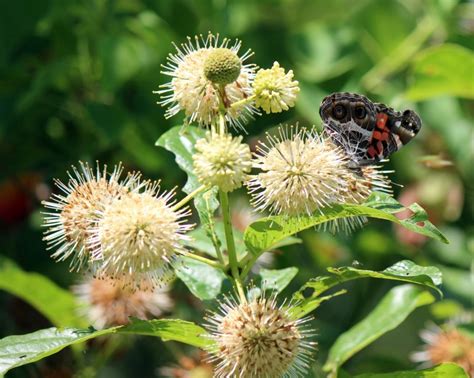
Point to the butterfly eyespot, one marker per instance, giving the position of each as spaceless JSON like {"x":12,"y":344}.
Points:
{"x":339,"y":111}
{"x":360,"y":112}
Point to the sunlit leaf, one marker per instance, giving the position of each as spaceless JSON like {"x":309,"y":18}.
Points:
{"x":392,"y":310}
{"x":24,"y":349}
{"x":277,"y":279}
{"x":55,"y":303}
{"x":264,"y":233}
{"x":442,"y":70}
{"x":405,"y":271}
{"x":204,"y":281}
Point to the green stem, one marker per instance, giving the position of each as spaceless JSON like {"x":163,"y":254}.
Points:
{"x":215,"y":241}
{"x":204,"y":260}
{"x":221,"y":123}
{"x":229,"y":236}
{"x":189,"y":197}
{"x":242,"y":102}
{"x":248,"y":265}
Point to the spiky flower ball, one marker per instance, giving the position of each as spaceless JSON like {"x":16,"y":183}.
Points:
{"x":74,"y":211}
{"x":259,"y":339}
{"x":300,"y":173}
{"x":139,"y":234}
{"x":275,"y":90}
{"x":446,"y":345}
{"x":110,"y":302}
{"x":221,"y":160}
{"x":222,"y":66}
{"x":196,"y":68}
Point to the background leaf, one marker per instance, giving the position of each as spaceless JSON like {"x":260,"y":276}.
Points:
{"x":442,"y":70}
{"x":204,"y":281}
{"x":24,"y":349}
{"x":56,"y":304}
{"x":442,"y":370}
{"x":393,"y":309}
{"x":277,"y":279}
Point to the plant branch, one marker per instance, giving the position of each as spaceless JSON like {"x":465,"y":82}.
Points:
{"x":204,"y":260}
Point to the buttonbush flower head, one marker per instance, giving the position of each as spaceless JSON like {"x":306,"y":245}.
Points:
{"x":446,"y":345}
{"x":361,"y":184}
{"x":74,"y":211}
{"x":259,"y":339}
{"x":205,"y":74}
{"x":300,"y":173}
{"x":275,"y":90}
{"x":139,"y":234}
{"x":222,"y":160}
{"x":110,"y":302}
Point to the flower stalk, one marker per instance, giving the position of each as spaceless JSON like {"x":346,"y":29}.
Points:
{"x":229,"y":236}
{"x":189,"y":197}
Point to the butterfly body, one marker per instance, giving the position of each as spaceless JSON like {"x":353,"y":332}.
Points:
{"x":367,"y":131}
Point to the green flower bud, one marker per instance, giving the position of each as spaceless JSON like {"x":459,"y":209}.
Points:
{"x":222,"y":66}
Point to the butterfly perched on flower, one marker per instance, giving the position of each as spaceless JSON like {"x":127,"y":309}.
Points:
{"x":367,"y":131}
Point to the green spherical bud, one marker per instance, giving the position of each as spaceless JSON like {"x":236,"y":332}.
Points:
{"x":222,"y":66}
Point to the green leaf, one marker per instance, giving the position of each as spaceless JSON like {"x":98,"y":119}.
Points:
{"x":265,"y":233}
{"x":449,"y":369}
{"x":204,"y":281}
{"x":442,"y":70}
{"x":180,"y":141}
{"x":392,"y":310}
{"x":56,"y":304}
{"x":405,"y":271}
{"x":277,"y":279}
{"x":24,"y":349}
{"x":202,"y":242}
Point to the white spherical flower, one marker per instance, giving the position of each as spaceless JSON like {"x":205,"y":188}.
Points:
{"x":139,"y":234}
{"x":74,"y":211}
{"x":361,"y":184}
{"x":300,"y":173}
{"x":222,"y":161}
{"x":275,"y":90}
{"x":204,"y":75}
{"x":108,"y":302}
{"x":259,"y":339}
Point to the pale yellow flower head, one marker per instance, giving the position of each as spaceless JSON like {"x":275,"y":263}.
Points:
{"x":300,"y":172}
{"x":275,"y":90}
{"x":74,"y":210}
{"x":108,"y":302}
{"x":222,"y":160}
{"x":140,"y":235}
{"x":259,"y":339}
{"x":207,"y":73}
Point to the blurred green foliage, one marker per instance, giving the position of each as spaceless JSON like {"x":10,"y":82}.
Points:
{"x":76,"y":82}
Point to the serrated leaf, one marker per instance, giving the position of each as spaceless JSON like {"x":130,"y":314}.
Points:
{"x":448,"y":369}
{"x":56,"y":304}
{"x":180,"y":141}
{"x":392,"y":310}
{"x":277,"y":279}
{"x":405,"y":271}
{"x":442,"y":70}
{"x":264,"y":233}
{"x":20,"y":350}
{"x":204,"y":281}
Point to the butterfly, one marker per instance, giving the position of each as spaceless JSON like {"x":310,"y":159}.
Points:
{"x":368,"y":132}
